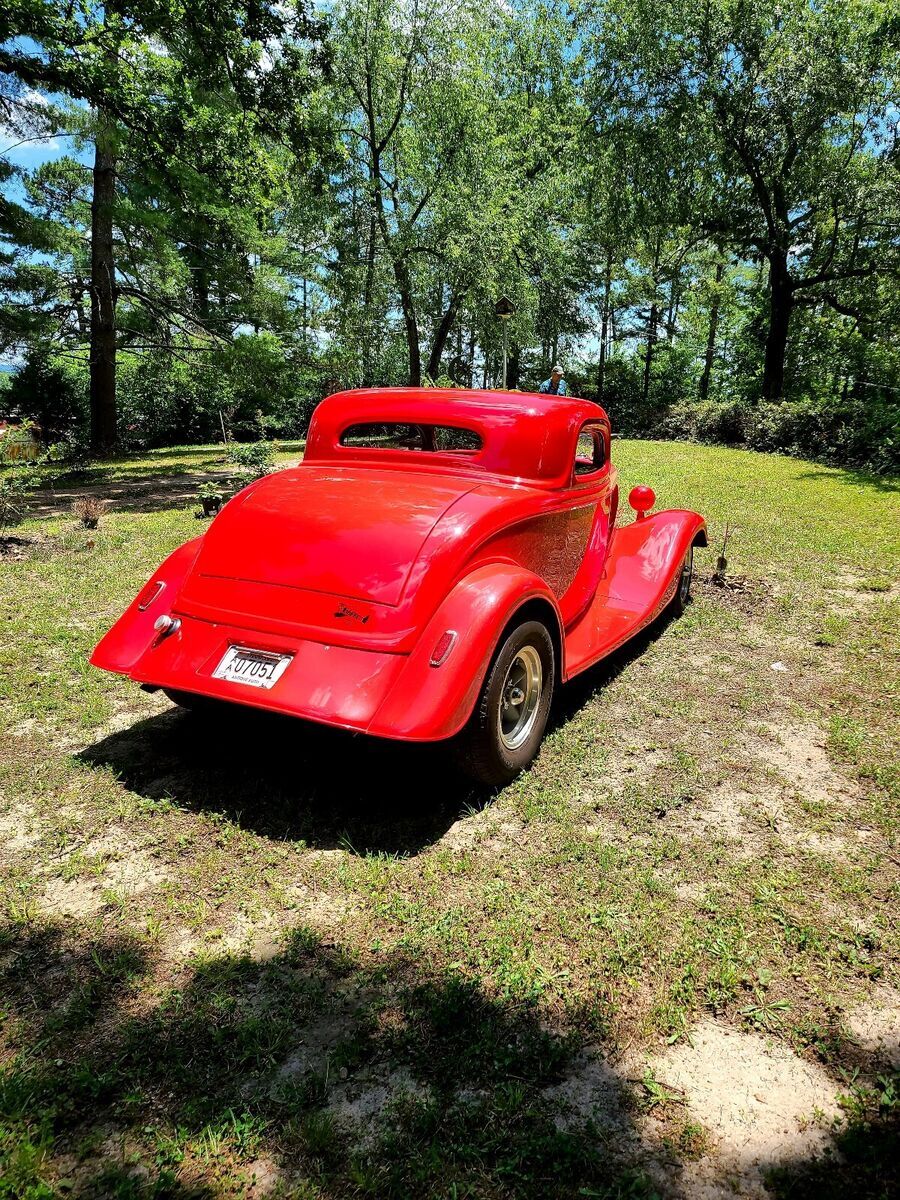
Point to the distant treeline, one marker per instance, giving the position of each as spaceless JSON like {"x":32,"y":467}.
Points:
{"x":696,"y":208}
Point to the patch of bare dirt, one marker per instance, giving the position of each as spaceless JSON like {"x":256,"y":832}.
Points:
{"x":107,"y":863}
{"x":14,"y":549}
{"x":759,"y":1101}
{"x":315,"y":1048}
{"x":18,"y":829}
{"x":133,"y":495}
{"x":362,"y":1104}
{"x":261,"y":935}
{"x":262,"y":1177}
{"x":859,"y":595}
{"x":723,"y":814}
{"x":320,"y":909}
{"x":488,"y":831}
{"x":875,"y":1026}
{"x":72,"y":898}
{"x":593,"y":1091}
{"x":797,"y":753}
{"x":737,"y":592}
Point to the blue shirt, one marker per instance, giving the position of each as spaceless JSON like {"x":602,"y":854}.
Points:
{"x":560,"y":390}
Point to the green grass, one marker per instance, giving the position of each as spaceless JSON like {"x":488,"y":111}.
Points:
{"x":157,"y":464}
{"x":222,"y":942}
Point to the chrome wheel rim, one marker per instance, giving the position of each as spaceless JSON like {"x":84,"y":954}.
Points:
{"x":520,"y":697}
{"x":687,"y":571}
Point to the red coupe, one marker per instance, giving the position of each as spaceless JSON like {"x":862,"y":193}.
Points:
{"x":436,"y":566}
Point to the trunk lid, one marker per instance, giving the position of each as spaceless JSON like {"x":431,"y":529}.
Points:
{"x":351,"y":532}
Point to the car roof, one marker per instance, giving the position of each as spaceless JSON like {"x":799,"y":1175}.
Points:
{"x":526,"y":435}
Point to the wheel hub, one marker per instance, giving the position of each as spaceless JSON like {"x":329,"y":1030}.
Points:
{"x":520,"y":697}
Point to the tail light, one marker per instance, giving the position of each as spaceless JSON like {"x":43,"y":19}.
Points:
{"x":151,"y":592}
{"x":443,"y":646}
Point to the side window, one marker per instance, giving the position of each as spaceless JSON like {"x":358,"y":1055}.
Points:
{"x":590,"y":451}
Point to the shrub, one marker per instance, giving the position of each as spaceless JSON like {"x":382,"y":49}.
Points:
{"x":847,"y":432}
{"x":253,"y":459}
{"x":14,"y":487}
{"x":707,"y":421}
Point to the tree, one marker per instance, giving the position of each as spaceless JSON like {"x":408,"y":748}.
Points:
{"x":444,"y":146}
{"x":774,"y":121}
{"x":201,"y":97}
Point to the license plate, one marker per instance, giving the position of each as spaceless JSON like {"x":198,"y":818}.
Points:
{"x":256,"y":668}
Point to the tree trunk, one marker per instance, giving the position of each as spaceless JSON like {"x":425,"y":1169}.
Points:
{"x":604,"y":329}
{"x":103,"y":291}
{"x":711,"y":334}
{"x":781,"y":302}
{"x":652,"y":324}
{"x":368,"y":326}
{"x":441,"y":335}
{"x":411,"y":325}
{"x":648,"y":353}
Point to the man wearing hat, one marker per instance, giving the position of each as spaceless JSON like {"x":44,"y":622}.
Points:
{"x":555,"y":385}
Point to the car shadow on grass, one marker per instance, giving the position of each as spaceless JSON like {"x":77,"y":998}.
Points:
{"x":571,"y":698}
{"x":288,"y":779}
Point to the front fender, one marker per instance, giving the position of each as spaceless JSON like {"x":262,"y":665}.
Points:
{"x":120,"y":649}
{"x":428,"y":703}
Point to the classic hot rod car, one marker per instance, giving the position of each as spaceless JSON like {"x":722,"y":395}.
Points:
{"x":438,"y":564}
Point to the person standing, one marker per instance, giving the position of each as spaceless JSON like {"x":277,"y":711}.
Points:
{"x":555,"y":385}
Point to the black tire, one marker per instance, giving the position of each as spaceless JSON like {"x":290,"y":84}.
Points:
{"x":490,"y":749}
{"x":682,"y":597}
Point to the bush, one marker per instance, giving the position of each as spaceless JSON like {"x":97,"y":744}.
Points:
{"x":14,"y":487}
{"x":253,"y":459}
{"x":52,"y":395}
{"x":707,"y":421}
{"x":849,"y":432}
{"x":89,"y":510}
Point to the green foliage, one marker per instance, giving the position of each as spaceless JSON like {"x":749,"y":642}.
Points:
{"x":46,"y":391}
{"x":829,"y":429}
{"x":14,"y":486}
{"x":696,"y":209}
{"x":253,"y":459}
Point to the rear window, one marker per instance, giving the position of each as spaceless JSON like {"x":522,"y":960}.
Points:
{"x":411,"y":437}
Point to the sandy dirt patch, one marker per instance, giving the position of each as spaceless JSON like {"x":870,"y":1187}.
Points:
{"x":761,"y":1104}
{"x":362,"y":1104}
{"x":875,"y":1026}
{"x":593,"y":1091}
{"x":797,"y":753}
{"x":109,"y":863}
{"x":19,"y":828}
{"x":488,"y":831}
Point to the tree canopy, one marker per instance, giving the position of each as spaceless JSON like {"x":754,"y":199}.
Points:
{"x":696,"y":207}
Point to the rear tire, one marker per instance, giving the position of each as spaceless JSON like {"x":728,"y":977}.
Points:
{"x":682,"y":597}
{"x":504,"y":732}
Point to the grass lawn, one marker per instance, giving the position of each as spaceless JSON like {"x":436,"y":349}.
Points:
{"x":255,"y":958}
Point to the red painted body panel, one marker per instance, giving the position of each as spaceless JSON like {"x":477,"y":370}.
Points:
{"x":359,"y":560}
{"x":639,"y":580}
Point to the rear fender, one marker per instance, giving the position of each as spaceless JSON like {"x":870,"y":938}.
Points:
{"x":120,"y":649}
{"x":427,"y":703}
